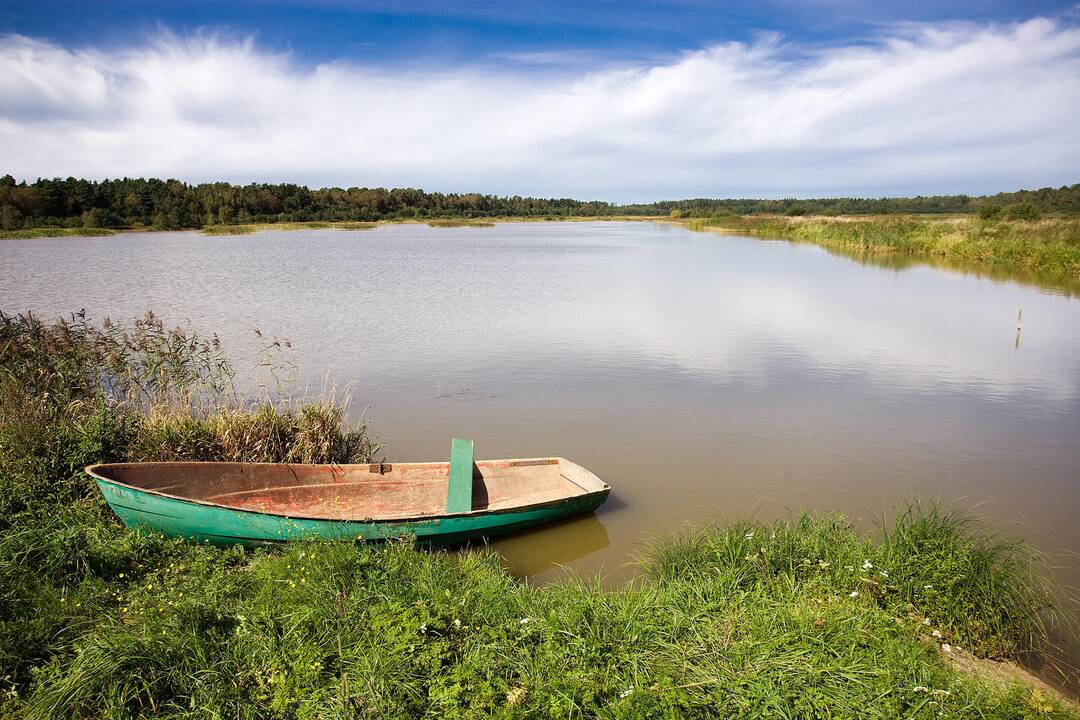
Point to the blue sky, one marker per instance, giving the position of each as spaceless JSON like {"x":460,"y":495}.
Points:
{"x":615,"y":100}
{"x":322,"y":30}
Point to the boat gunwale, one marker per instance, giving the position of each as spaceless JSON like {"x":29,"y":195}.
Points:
{"x":91,"y":470}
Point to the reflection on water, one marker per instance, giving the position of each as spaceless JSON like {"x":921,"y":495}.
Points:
{"x":532,"y":552}
{"x":1047,"y":281}
{"x":701,"y":375}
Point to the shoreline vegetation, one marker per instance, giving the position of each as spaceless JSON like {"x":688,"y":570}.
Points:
{"x":804,"y":617}
{"x":1049,"y":247}
{"x":251,"y":228}
{"x":1044,"y":251}
{"x":1036,"y":231}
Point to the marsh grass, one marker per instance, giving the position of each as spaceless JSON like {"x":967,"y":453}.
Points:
{"x":459,"y":222}
{"x":286,"y":227}
{"x":73,"y":393}
{"x":1049,"y":246}
{"x":48,"y":232}
{"x":742,"y":620}
{"x":228,"y":230}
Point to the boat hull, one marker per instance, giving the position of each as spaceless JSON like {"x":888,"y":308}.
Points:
{"x":201,"y":522}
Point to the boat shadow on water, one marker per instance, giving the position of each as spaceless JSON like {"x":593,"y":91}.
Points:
{"x":546,"y":547}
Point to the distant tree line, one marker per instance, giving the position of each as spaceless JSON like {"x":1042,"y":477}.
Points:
{"x":137,"y":202}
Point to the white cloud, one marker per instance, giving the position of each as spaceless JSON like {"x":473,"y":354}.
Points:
{"x":947,"y":108}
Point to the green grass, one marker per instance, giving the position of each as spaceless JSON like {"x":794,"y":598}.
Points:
{"x":802,"y":618}
{"x":285,"y":227}
{"x":727,"y":626}
{"x":48,"y":232}
{"x":228,"y":230}
{"x":1050,"y":246}
{"x":459,"y":222}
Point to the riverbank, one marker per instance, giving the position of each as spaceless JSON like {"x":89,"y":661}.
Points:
{"x":451,"y":222}
{"x":806,"y":617}
{"x":731,"y":623}
{"x":250,"y":228}
{"x":52,"y":232}
{"x":1049,"y":246}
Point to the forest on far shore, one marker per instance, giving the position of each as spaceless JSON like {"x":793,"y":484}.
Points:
{"x":145,"y":203}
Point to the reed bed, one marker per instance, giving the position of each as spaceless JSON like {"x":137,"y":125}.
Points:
{"x":47,"y":232}
{"x":459,"y":222}
{"x":228,"y":230}
{"x":286,"y":227}
{"x":1049,"y":246}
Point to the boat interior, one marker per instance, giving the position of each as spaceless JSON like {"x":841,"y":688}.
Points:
{"x":378,"y":491}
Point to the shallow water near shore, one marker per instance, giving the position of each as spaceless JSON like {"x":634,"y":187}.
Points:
{"x":703,"y":376}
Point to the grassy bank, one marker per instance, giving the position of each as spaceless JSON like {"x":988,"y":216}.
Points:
{"x":1049,"y":246}
{"x":805,"y":618}
{"x":228,"y":230}
{"x":286,"y":227}
{"x":447,"y":222}
{"x":47,"y":232}
{"x":460,"y":222}
{"x":249,"y":228}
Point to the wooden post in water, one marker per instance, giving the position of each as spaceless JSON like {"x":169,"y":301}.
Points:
{"x":1019,"y":323}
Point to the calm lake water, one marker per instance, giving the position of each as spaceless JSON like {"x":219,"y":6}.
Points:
{"x":703,"y":376}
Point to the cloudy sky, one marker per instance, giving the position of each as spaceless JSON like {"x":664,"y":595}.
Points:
{"x":622,"y":101}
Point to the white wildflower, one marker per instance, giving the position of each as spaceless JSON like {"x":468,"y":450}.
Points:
{"x":854,"y":593}
{"x":920,"y":688}
{"x":867,"y":565}
{"x":927,"y":587}
{"x":457,"y":623}
{"x":926,"y":621}
{"x":946,"y":647}
{"x":515,"y":696}
{"x":942,"y":693}
{"x":748,"y":536}
{"x":936,"y":633}
{"x":524,"y":621}
{"x":627,"y":692}
{"x":423,"y":627}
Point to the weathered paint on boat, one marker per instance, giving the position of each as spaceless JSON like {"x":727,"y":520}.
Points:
{"x":272,"y":517}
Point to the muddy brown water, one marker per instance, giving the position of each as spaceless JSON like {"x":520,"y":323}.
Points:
{"x":703,"y":376}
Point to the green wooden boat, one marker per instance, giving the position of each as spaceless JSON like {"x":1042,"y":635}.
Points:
{"x":260,"y":503}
